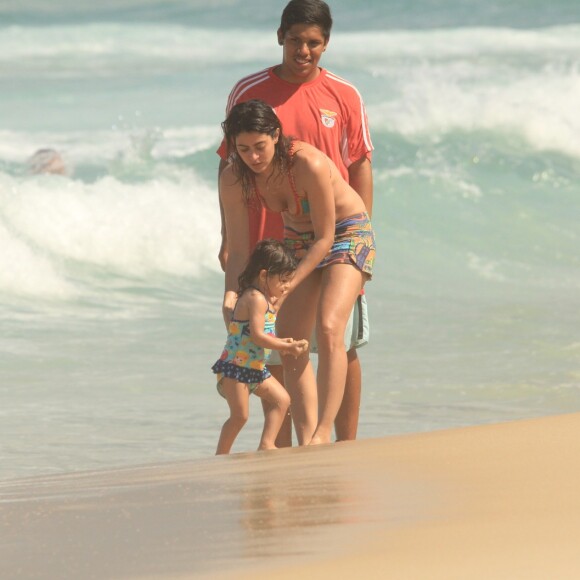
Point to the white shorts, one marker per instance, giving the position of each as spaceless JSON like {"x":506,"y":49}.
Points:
{"x":356,"y":333}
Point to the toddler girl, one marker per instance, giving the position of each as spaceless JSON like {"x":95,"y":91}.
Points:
{"x":241,"y":369}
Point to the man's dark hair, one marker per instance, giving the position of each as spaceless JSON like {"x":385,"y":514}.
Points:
{"x":314,"y":12}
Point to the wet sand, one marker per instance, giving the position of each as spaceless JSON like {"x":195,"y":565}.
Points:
{"x":497,"y":501}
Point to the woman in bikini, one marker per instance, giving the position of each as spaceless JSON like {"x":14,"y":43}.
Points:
{"x":327,"y":226}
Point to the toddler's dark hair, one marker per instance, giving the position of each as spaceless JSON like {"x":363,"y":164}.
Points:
{"x":270,"y":255}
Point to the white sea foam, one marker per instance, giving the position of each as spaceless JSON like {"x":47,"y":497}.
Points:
{"x":488,"y":269}
{"x":175,"y":42}
{"x":126,"y":140}
{"x":55,"y":228}
{"x":26,"y":272}
{"x":522,"y":83}
{"x":540,"y":108}
{"x":459,"y":43}
{"x":107,"y":49}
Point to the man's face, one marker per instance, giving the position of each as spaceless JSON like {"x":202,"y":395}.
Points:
{"x":303,"y":46}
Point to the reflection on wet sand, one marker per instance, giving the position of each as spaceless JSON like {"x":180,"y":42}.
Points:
{"x":279,"y":514}
{"x":199,"y":517}
{"x":432,"y":505}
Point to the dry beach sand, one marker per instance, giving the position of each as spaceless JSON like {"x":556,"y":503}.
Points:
{"x":497,"y":501}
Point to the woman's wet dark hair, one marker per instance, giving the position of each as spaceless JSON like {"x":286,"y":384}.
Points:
{"x":254,"y":116}
{"x":312,"y":12}
{"x":270,"y":255}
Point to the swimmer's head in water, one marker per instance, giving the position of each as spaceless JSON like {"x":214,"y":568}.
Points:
{"x":47,"y":161}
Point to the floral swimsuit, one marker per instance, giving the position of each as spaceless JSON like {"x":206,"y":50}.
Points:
{"x":242,"y":359}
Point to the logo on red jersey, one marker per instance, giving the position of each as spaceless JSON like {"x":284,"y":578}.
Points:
{"x":328,"y":118}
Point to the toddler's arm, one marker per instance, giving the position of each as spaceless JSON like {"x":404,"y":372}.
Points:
{"x":256,"y":308}
{"x":294,"y":347}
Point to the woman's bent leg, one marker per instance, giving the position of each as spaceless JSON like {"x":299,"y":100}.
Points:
{"x":296,"y":319}
{"x":341,"y":284}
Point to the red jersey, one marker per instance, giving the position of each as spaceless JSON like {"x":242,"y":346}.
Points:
{"x":327,"y":112}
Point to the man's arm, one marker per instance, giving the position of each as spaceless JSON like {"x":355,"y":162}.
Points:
{"x":360,"y":176}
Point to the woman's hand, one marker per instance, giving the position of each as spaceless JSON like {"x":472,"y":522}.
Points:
{"x":277,"y":302}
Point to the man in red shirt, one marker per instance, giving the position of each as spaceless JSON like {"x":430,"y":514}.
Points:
{"x":319,"y":107}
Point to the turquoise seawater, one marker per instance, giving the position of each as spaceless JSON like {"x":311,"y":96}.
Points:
{"x":109,"y":281}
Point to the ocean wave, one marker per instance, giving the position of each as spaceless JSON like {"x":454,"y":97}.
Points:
{"x":422,"y":82}
{"x":168,"y":42}
{"x":116,"y":49}
{"x":515,"y":83}
{"x":454,"y":43}
{"x":540,"y":108}
{"x":129,"y":141}
{"x":62,"y":237}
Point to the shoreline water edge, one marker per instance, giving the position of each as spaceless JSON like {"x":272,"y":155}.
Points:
{"x":492,"y":501}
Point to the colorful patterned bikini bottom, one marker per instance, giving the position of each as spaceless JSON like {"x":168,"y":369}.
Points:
{"x":354,"y":243}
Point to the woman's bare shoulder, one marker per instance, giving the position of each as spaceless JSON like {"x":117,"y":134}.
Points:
{"x":230,"y":186}
{"x":227,"y":176}
{"x":308,"y":156}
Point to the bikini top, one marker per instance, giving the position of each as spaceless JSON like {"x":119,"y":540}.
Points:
{"x":301,"y":203}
